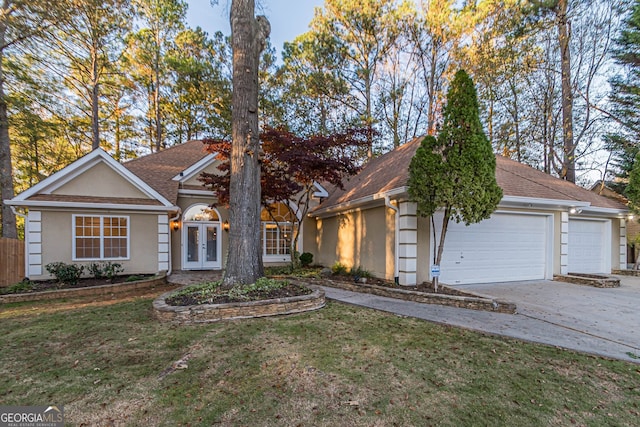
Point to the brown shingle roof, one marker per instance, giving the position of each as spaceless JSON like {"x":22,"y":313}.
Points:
{"x":94,"y":199}
{"x":521,"y":180}
{"x":384,"y":173}
{"x":158,"y":169}
{"x":391,"y":171}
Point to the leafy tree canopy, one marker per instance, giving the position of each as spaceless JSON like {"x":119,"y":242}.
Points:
{"x":291,"y":164}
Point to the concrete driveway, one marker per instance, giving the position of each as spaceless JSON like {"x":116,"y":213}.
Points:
{"x":610,"y":315}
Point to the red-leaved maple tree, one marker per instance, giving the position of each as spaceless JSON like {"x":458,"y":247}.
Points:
{"x":290,"y":167}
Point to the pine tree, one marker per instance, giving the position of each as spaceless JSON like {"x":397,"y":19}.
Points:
{"x":625,"y":94}
{"x":456,"y":171}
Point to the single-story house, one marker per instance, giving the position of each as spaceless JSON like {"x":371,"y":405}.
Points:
{"x":543,"y":226}
{"x":152,"y":214}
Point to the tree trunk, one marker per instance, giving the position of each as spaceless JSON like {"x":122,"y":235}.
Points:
{"x":248,"y":39}
{"x":443,"y":235}
{"x":516,"y":120}
{"x":369,"y":114}
{"x":431,"y":91}
{"x":564,"y":35}
{"x":156,"y":111}
{"x":156,"y":93}
{"x":6,"y":170}
{"x":95,"y":108}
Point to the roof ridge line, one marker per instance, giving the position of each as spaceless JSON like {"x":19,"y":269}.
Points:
{"x":537,"y":182}
{"x":162,"y":151}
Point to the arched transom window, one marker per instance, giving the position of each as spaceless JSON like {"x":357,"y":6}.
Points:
{"x":201,"y":212}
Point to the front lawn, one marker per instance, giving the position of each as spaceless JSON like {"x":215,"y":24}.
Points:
{"x":113,"y":364}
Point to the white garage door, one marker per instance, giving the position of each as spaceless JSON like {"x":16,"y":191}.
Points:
{"x":589,"y":246}
{"x":506,"y":247}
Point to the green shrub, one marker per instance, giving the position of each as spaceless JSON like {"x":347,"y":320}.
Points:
{"x":360,"y":272}
{"x":103,"y":270}
{"x":65,"y":273}
{"x":134,"y":278}
{"x":95,"y":269}
{"x":339,"y":269}
{"x":263,"y":284}
{"x":306,"y":259}
{"x":279,"y":270}
{"x":201,"y":291}
{"x":112,"y":269}
{"x":18,"y":288}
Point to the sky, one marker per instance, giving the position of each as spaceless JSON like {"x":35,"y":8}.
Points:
{"x":288,"y":18}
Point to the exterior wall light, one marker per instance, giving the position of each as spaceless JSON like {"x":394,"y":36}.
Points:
{"x":225,"y":225}
{"x":175,"y":225}
{"x":575,"y":211}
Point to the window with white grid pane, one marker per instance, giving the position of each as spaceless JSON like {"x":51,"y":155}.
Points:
{"x":277,"y":230}
{"x":97,"y":237}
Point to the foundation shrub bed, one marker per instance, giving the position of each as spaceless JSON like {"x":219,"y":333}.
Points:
{"x":65,"y":273}
{"x":105,"y":270}
{"x":28,"y":286}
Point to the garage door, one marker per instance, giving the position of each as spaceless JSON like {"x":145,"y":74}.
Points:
{"x":506,"y":247}
{"x":589,"y":246}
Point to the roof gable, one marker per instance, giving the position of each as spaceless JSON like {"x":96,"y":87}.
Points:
{"x":99,"y":180}
{"x":191,"y":173}
{"x":159,"y":169}
{"x":91,"y":179}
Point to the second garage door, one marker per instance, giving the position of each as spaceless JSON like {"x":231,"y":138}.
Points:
{"x":589,"y":246}
{"x":506,"y":247}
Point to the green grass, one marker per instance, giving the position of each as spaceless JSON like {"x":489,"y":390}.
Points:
{"x":341,"y":365}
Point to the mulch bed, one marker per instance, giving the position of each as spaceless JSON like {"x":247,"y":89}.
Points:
{"x":426,"y":287}
{"x":290,"y":290}
{"x":51,"y":285}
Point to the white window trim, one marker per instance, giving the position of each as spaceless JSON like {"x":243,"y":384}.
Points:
{"x":279,"y":256}
{"x":101,"y":258}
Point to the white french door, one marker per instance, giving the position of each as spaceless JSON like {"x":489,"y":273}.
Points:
{"x":201,"y":246}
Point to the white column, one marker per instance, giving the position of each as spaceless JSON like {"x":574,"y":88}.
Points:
{"x":34,"y":245}
{"x":407,"y":243}
{"x":623,"y":244}
{"x":564,"y":242}
{"x":163,"y":242}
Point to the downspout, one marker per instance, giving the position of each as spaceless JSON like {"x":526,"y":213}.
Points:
{"x":26,"y":240}
{"x":396,"y":257}
{"x":175,"y":218}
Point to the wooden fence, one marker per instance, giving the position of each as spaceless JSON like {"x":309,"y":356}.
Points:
{"x":11,"y":261}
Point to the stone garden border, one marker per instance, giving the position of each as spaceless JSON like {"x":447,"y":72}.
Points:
{"x":595,"y":280}
{"x":630,"y":272}
{"x":91,"y":291}
{"x":470,"y":301}
{"x":208,"y":313}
